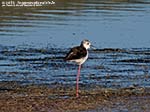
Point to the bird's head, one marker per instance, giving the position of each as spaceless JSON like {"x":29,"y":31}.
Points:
{"x":86,"y":44}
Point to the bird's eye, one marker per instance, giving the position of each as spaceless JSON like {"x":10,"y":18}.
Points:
{"x":88,"y":43}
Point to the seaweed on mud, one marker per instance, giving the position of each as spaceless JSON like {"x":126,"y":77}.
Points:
{"x":109,"y":50}
{"x":136,"y":60}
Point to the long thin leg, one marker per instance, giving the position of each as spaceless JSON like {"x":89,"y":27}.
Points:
{"x":77,"y":81}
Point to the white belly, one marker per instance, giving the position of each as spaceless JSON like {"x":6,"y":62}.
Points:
{"x":80,"y":61}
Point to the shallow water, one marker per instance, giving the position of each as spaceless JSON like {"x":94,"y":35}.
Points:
{"x":34,"y":40}
{"x":115,"y":68}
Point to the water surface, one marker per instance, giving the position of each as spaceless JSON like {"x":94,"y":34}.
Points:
{"x":115,"y":68}
{"x":107,"y":23}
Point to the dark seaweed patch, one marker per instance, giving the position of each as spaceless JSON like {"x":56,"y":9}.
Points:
{"x":108,"y":50}
{"x":136,"y":60}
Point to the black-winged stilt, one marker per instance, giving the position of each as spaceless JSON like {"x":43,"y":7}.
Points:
{"x":79,"y":55}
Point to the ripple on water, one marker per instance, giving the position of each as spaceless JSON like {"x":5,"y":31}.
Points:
{"x":120,"y":67}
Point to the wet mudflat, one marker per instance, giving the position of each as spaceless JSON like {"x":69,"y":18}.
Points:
{"x":43,"y":98}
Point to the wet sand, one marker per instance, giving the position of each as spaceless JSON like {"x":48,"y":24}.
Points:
{"x":45,"y":98}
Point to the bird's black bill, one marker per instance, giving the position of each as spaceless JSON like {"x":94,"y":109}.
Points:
{"x":93,"y":47}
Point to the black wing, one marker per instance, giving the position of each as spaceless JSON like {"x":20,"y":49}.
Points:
{"x":76,"y":53}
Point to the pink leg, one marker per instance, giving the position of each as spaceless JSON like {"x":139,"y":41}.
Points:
{"x":77,"y":82}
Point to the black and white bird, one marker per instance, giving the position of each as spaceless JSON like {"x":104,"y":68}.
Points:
{"x":79,"y":55}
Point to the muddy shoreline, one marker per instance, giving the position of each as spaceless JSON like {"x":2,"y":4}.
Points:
{"x":44,"y":98}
